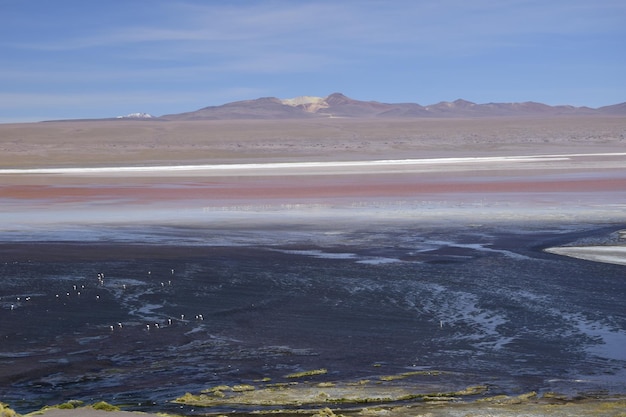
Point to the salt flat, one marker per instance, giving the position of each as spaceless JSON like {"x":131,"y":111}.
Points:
{"x":611,"y":254}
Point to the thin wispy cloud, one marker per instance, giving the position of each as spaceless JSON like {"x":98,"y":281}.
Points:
{"x":389,"y":51}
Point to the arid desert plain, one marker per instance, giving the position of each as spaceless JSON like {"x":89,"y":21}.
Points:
{"x":425,"y":254}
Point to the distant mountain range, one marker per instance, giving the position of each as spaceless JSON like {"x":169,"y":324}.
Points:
{"x":338,"y":105}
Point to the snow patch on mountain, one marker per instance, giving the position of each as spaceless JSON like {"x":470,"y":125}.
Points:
{"x":136,"y":116}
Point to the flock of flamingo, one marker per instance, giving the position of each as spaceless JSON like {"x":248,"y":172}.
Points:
{"x":79,"y":290}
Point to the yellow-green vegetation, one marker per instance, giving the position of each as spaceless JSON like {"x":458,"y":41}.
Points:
{"x":243,"y":388}
{"x":309,"y":393}
{"x":531,"y":407}
{"x":505,"y":399}
{"x":104,"y":406}
{"x":303,"y":374}
{"x":69,"y":405}
{"x":5,"y":411}
{"x":216,"y":389}
{"x":405,"y":375}
{"x":326,"y":412}
{"x":555,"y":396}
{"x":360,"y":382}
{"x":281,"y":384}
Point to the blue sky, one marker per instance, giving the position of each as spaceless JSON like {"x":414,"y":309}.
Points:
{"x":81,"y":59}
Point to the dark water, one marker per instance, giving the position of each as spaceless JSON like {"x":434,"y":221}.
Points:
{"x":139,"y":317}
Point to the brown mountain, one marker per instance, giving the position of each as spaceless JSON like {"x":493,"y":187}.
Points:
{"x":261,"y":108}
{"x":338,"y":105}
{"x":615,"y":109}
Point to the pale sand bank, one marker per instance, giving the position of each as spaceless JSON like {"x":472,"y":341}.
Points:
{"x":613,"y":254}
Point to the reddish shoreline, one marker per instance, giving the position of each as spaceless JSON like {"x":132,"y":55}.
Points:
{"x":305,"y":188}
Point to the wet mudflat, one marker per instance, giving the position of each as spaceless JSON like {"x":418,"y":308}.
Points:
{"x":142,"y":316}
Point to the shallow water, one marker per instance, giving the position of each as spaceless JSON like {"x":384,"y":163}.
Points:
{"x":139,"y":316}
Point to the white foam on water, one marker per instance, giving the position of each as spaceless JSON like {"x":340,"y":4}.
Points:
{"x":378,"y":261}
{"x":318,"y":254}
{"x":436,"y":244}
{"x":611,"y":342}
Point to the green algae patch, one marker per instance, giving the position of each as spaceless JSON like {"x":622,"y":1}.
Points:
{"x":73,"y":405}
{"x":69,"y":405}
{"x":293,"y":395}
{"x":505,"y":399}
{"x":529,"y":407}
{"x":243,"y":388}
{"x":405,"y":375}
{"x":304,"y":374}
{"x":326,"y":412}
{"x":104,"y":406}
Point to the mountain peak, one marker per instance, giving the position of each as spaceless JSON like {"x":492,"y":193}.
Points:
{"x":339,"y":105}
{"x":338,"y":98}
{"x":459,"y":102}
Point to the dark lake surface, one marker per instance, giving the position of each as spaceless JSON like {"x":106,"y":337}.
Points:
{"x":139,"y":316}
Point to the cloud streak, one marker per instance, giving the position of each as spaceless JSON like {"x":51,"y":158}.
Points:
{"x":371,"y":49}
